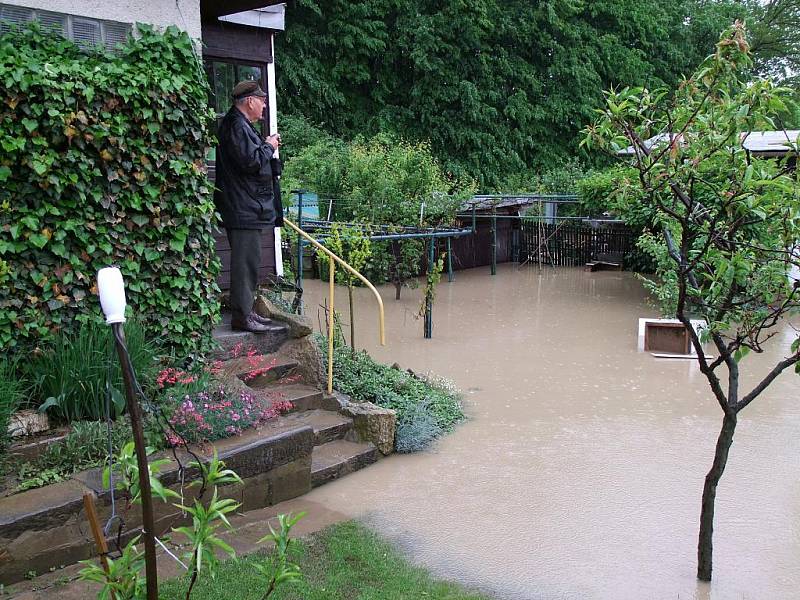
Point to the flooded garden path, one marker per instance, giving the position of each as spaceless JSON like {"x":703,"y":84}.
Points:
{"x":579,"y":471}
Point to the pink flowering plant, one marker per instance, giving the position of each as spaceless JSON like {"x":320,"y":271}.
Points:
{"x":216,"y":413}
{"x":200,"y":408}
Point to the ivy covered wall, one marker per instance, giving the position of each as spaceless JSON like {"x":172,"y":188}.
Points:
{"x":102,"y":163}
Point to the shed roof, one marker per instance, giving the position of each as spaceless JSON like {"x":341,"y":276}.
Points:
{"x":487,"y":201}
{"x":768,"y":143}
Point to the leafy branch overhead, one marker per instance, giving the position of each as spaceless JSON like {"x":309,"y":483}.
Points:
{"x":103,"y":162}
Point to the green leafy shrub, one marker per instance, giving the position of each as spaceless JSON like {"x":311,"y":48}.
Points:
{"x":102,"y":163}
{"x":424,"y":406}
{"x":417,"y":429}
{"x":12,"y":395}
{"x":382,"y":181}
{"x":72,"y":370}
{"x":84,"y":447}
{"x":558,"y":179}
{"x":599,"y":191}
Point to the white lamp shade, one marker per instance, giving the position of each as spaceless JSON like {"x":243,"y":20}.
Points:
{"x":112,"y":294}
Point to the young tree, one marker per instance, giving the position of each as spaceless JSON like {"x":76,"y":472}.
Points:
{"x":352,"y":245}
{"x":729,"y":224}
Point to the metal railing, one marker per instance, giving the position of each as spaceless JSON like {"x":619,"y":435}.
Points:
{"x":332,"y":260}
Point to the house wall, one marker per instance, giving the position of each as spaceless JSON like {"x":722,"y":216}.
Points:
{"x":185,"y":14}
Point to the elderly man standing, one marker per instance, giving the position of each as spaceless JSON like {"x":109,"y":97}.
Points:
{"x":244,"y":198}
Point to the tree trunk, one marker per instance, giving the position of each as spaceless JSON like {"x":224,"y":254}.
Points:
{"x":704,"y":543}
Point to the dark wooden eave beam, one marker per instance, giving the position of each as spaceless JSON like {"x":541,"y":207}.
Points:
{"x":219,"y":8}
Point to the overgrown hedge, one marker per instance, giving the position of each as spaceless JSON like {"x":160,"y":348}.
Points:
{"x":103,"y":163}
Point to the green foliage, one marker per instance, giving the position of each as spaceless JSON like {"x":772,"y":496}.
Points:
{"x":728,"y":222}
{"x":364,"y":380}
{"x":127,"y":474}
{"x":352,"y":245}
{"x":558,"y":179}
{"x":383,"y":181}
{"x":345,"y":561}
{"x":12,"y":395}
{"x":84,"y":447}
{"x":214,"y":473}
{"x":602,"y":191}
{"x":498,"y":88}
{"x":202,"y":535}
{"x":72,"y":371}
{"x":417,"y":429}
{"x":298,"y":133}
{"x":432,"y":279}
{"x":278,"y":569}
{"x":732,"y":217}
{"x":103,"y":163}
{"x":123,"y":581}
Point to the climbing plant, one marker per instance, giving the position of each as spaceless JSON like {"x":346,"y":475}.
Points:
{"x":103,"y":163}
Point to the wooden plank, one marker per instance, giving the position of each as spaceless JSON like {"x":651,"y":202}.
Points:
{"x":229,"y":40}
{"x":267,"y":268}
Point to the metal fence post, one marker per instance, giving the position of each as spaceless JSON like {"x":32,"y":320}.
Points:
{"x":494,"y":241}
{"x":428,"y":304}
{"x":450,"y":275}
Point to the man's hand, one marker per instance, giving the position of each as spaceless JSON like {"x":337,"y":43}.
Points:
{"x":274,"y":140}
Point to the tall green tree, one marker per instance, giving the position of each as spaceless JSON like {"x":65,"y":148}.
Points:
{"x":729,"y":241}
{"x":496,"y":87}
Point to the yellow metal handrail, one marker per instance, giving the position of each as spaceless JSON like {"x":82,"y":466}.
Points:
{"x":333,"y":259}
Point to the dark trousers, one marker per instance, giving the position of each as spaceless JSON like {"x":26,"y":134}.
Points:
{"x":245,"y":262}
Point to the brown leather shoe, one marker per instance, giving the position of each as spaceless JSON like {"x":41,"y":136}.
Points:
{"x":259,"y":319}
{"x":248,"y":324}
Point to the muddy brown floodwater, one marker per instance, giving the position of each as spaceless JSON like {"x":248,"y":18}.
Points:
{"x":579,"y":471}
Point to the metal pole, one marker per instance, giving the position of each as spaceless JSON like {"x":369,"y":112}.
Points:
{"x":148,"y":526}
{"x":428,"y":304}
{"x":494,"y":242}
{"x":331,"y":316}
{"x":299,"y":276}
{"x":450,"y":275}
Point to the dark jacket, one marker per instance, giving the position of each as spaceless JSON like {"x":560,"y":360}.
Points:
{"x":244,"y":194}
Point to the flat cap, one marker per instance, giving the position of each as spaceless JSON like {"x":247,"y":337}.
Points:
{"x":243,"y":89}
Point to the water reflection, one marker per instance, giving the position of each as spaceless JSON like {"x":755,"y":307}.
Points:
{"x":580,"y":470}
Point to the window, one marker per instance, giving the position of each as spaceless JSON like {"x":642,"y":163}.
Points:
{"x":87,"y":33}
{"x":222,"y":76}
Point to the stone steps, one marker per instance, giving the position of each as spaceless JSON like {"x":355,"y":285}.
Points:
{"x":328,"y":426}
{"x":338,"y":458}
{"x":263,"y":343}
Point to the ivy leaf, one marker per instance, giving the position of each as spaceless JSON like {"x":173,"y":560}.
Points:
{"x":39,"y":167}
{"x":5,"y":172}
{"x":30,"y":124}
{"x":38,"y":240}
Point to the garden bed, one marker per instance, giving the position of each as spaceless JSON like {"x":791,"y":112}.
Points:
{"x":47,"y":527}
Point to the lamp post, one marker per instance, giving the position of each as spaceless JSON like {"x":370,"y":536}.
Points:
{"x":112,"y":298}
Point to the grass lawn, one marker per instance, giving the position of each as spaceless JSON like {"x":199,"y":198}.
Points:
{"x":345,"y":561}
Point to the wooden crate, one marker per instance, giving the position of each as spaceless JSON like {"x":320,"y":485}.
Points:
{"x":671,"y":338}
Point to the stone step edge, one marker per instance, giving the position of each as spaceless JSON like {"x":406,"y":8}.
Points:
{"x":354,"y":456}
{"x":337,"y":427}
